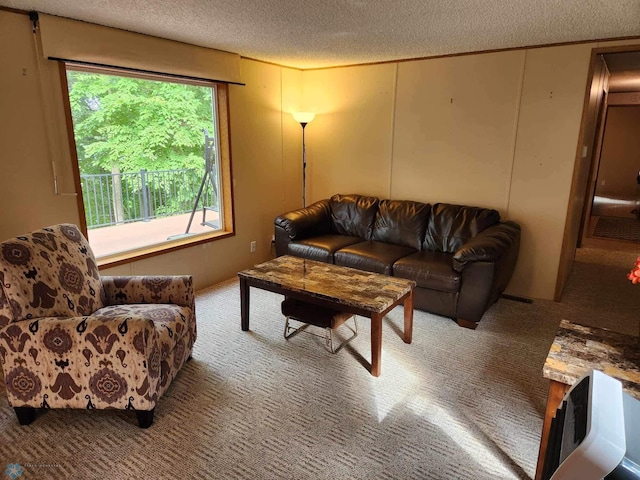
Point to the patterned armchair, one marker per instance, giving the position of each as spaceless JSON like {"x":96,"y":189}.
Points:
{"x":70,"y":338}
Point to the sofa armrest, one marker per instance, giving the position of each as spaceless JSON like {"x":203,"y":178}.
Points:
{"x":302,"y":223}
{"x":489,"y":245}
{"x":174,"y":289}
{"x":487,"y":262}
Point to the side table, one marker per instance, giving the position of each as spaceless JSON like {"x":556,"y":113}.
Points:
{"x":578,"y":349}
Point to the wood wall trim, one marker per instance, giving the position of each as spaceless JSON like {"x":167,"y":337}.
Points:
{"x":75,"y":166}
{"x":224,"y":147}
{"x":13,"y":10}
{"x":275,"y":64}
{"x":225,"y":119}
{"x":624,"y":98}
{"x":496,"y":50}
{"x":566,"y":250}
{"x":618,"y":48}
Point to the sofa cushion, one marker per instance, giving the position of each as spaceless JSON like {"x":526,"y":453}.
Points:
{"x":451,"y":226}
{"x":371,"y":256}
{"x":320,"y":248}
{"x":401,"y":222}
{"x":353,"y":215}
{"x":432,"y":270}
{"x":50,"y":273}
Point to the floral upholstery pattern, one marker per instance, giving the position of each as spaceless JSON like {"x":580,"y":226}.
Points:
{"x":85,"y":341}
{"x":81,"y":362}
{"x":170,"y":321}
{"x":6,"y":315}
{"x":50,"y":273}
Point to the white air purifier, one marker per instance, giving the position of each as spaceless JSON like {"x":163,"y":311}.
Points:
{"x":595,"y":434}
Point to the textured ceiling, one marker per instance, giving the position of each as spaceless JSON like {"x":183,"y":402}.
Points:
{"x":321,"y":33}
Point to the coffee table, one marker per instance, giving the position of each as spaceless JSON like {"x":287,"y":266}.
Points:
{"x":367,"y":294}
{"x":575,"y":351}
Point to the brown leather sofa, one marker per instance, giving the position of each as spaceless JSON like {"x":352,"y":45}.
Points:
{"x":461,"y":257}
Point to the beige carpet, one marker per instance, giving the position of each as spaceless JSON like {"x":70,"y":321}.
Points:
{"x":455,"y":403}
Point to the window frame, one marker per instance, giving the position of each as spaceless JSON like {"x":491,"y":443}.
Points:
{"x":223,"y":146}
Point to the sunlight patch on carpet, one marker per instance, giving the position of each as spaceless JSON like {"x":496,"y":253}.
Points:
{"x":473,"y":446}
{"x":393,"y":388}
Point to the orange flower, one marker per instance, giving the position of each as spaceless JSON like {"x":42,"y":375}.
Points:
{"x":634,"y":274}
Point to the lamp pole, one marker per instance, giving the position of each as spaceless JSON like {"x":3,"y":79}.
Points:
{"x":304,"y":167}
{"x":303,"y":118}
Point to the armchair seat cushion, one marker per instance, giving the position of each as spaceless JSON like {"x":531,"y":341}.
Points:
{"x":432,"y":270}
{"x":372,"y":256}
{"x":322,"y":247}
{"x":169,"y":321}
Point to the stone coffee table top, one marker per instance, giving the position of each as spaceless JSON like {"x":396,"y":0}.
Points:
{"x":578,"y":349}
{"x":356,"y":288}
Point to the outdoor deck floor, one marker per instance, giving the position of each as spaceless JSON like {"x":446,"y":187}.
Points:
{"x":119,"y":238}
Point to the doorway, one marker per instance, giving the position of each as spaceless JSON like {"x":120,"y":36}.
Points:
{"x":612,"y":213}
{"x":613,"y":85}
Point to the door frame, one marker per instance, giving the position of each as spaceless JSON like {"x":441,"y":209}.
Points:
{"x":569,"y":244}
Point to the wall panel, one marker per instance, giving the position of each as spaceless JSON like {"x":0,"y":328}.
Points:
{"x":349,"y":142}
{"x":32,"y":135}
{"x":620,"y":157}
{"x":550,"y":114}
{"x":455,"y":127}
{"x":292,"y":101}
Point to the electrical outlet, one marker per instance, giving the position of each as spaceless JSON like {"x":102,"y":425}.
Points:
{"x":252,"y":247}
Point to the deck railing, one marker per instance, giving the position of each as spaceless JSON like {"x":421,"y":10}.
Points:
{"x":113,"y":198}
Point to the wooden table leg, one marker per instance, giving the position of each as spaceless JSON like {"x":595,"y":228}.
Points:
{"x":408,"y":317}
{"x":556,"y":393}
{"x":244,"y":304}
{"x":376,"y":343}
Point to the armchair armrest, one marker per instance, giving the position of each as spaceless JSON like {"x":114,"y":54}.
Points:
{"x":302,"y":223}
{"x":488,"y":246}
{"x":175,"y":289}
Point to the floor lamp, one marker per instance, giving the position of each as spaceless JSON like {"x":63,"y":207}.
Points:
{"x":303,"y":118}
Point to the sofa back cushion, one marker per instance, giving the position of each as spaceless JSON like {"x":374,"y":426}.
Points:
{"x":451,"y":226}
{"x":353,"y":215}
{"x":401,"y":222}
{"x":50,"y":273}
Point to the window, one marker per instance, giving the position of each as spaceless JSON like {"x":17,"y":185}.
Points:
{"x":152,"y":158}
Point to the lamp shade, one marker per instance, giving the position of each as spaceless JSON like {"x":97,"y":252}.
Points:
{"x":303,"y":117}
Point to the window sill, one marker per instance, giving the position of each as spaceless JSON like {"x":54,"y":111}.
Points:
{"x":129,"y":256}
